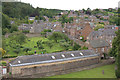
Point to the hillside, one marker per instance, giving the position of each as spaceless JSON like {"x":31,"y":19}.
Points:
{"x":21,"y":10}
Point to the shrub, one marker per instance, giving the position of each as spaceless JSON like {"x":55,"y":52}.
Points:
{"x":84,"y":48}
{"x":27,"y":49}
{"x":25,"y":31}
{"x":9,"y":56}
{"x":76,"y":46}
{"x":29,"y":54}
{"x":35,"y":46}
{"x":4,"y":63}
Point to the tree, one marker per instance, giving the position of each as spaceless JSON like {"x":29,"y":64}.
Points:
{"x":76,"y":46}
{"x":27,"y":49}
{"x":16,"y":38}
{"x":17,"y":51}
{"x":65,"y":45}
{"x":14,"y":28}
{"x":56,"y":36}
{"x":50,"y":44}
{"x":43,"y":34}
{"x":115,"y":51}
{"x":118,"y":65}
{"x":36,"y":18}
{"x":115,"y":44}
{"x":39,"y":44}
{"x":2,"y":52}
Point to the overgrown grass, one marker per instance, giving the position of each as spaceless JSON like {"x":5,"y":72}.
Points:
{"x":31,"y":42}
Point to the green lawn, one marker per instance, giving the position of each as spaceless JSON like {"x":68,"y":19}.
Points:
{"x":92,"y":73}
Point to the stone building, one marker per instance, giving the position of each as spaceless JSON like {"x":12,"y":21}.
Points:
{"x":36,"y":66}
{"x":106,"y":34}
{"x":100,"y":46}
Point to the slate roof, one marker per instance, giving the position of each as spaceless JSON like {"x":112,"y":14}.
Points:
{"x":104,"y":32}
{"x":98,"y":43}
{"x":47,"y":58}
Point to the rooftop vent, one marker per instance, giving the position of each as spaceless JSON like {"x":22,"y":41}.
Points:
{"x":72,"y":55}
{"x":53,"y":57}
{"x":63,"y":55}
{"x":81,"y":53}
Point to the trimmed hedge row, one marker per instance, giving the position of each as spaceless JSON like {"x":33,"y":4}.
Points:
{"x":9,"y":56}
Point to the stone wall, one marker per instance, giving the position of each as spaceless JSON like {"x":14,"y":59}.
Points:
{"x":49,"y":69}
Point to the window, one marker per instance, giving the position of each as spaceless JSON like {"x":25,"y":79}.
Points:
{"x":102,"y":49}
{"x":63,"y":55}
{"x":81,"y":53}
{"x":110,"y":41}
{"x":72,"y":55}
{"x":96,"y":50}
{"x":53,"y":57}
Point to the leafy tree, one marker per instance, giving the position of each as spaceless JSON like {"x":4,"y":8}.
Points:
{"x":65,"y":45}
{"x":44,"y":33}
{"x":14,"y":28}
{"x":27,"y":49}
{"x":76,"y":46}
{"x":36,"y":18}
{"x":2,"y":52}
{"x":5,"y":21}
{"x":17,"y":51}
{"x":118,"y":64}
{"x":115,"y":51}
{"x":99,"y":26}
{"x":17,"y":38}
{"x":49,"y":43}
{"x":84,"y":48}
{"x":39,"y":44}
{"x":56,"y":36}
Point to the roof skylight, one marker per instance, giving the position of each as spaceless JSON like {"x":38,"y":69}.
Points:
{"x":63,"y":55}
{"x":72,"y":55}
{"x":81,"y":53}
{"x":53,"y":57}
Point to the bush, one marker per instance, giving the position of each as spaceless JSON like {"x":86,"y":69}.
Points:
{"x":25,"y":31}
{"x":76,"y":47}
{"x":27,"y":49}
{"x":58,"y":50}
{"x":35,"y":46}
{"x":84,"y":48}
{"x":4,"y":63}
{"x":11,"y":60}
{"x":9,"y":56}
{"x":29,"y":54}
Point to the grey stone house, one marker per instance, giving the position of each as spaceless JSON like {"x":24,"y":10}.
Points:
{"x":37,"y":66}
{"x":100,"y":46}
{"x":106,"y":34}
